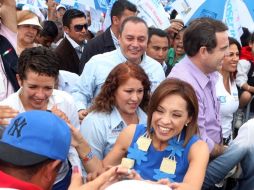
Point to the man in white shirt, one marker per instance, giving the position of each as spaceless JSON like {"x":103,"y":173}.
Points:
{"x":133,"y":43}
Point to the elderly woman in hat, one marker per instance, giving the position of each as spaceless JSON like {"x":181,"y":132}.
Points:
{"x":28,"y":27}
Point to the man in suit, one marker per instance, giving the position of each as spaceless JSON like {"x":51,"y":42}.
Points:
{"x":8,"y":43}
{"x":71,"y":47}
{"x":108,"y":40}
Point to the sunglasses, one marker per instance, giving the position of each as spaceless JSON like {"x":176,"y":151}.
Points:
{"x":79,"y":27}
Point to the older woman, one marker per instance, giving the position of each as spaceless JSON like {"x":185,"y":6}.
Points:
{"x":226,"y":89}
{"x":117,"y":105}
{"x":167,"y":147}
{"x":28,"y":28}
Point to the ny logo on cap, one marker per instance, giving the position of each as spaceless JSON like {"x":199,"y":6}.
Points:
{"x":17,"y":126}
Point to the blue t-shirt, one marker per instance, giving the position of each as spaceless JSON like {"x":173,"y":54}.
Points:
{"x":147,"y":164}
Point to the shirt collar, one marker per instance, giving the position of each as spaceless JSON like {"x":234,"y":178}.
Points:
{"x":200,"y":77}
{"x":73,"y":43}
{"x":62,"y":81}
{"x":115,"y":39}
{"x":164,"y":66}
{"x":123,"y":58}
{"x":116,"y":119}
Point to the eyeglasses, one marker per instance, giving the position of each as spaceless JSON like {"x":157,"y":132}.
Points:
{"x":79,"y":27}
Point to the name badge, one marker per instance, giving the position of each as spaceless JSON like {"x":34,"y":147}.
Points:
{"x":127,"y":163}
{"x":144,"y":143}
{"x":168,"y":166}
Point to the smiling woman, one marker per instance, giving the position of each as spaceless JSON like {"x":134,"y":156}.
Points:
{"x":168,"y":146}
{"x":28,"y":27}
{"x":125,"y":90}
{"x":226,"y":90}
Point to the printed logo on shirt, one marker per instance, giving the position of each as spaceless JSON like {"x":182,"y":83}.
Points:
{"x":115,"y":132}
{"x":222,"y":99}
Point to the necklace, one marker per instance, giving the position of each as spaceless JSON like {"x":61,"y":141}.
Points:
{"x":167,"y":169}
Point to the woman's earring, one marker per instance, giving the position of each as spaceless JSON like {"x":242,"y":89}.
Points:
{"x":186,"y":124}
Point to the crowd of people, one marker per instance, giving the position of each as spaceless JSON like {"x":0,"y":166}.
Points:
{"x":84,"y":110}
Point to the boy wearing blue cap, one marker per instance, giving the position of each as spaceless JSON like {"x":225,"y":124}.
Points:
{"x":38,"y":71}
{"x":33,"y":147}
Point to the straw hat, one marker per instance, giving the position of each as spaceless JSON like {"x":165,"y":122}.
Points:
{"x":28,"y":18}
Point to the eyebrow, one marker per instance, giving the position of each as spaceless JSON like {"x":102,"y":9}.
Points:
{"x":225,"y":47}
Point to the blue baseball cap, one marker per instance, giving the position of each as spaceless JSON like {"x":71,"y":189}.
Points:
{"x":33,"y":137}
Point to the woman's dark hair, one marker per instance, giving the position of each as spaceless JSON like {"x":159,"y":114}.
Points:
{"x":40,"y":60}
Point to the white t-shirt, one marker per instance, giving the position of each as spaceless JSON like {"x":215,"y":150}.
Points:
{"x":65,"y":103}
{"x":228,"y":105}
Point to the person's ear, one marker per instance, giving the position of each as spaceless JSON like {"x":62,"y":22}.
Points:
{"x":202,"y":50}
{"x":115,"y":20}
{"x":66,"y":29}
{"x":188,"y":120}
{"x":51,"y":170}
{"x":46,"y":176}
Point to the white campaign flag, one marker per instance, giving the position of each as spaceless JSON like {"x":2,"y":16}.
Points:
{"x":186,"y":8}
{"x":232,"y":20}
{"x":153,"y":13}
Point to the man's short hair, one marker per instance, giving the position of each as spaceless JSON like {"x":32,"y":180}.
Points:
{"x":49,"y":29}
{"x":157,"y":32}
{"x":133,"y":19}
{"x":120,"y":6}
{"x":40,"y":60}
{"x":33,"y":137}
{"x":71,"y":14}
{"x":202,"y":32}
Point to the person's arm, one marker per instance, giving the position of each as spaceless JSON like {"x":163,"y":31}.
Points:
{"x":83,"y":91}
{"x":6,"y":112}
{"x":175,"y":26}
{"x":91,"y":163}
{"x":108,"y":177}
{"x":201,"y":124}
{"x":243,"y":68}
{"x":114,"y":157}
{"x":217,"y":150}
{"x":198,"y":158}
{"x":237,"y":152}
{"x":93,"y":130}
{"x":8,"y":14}
{"x":52,"y":10}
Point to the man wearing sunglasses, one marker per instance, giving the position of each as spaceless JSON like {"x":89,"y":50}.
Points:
{"x":71,"y":47}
